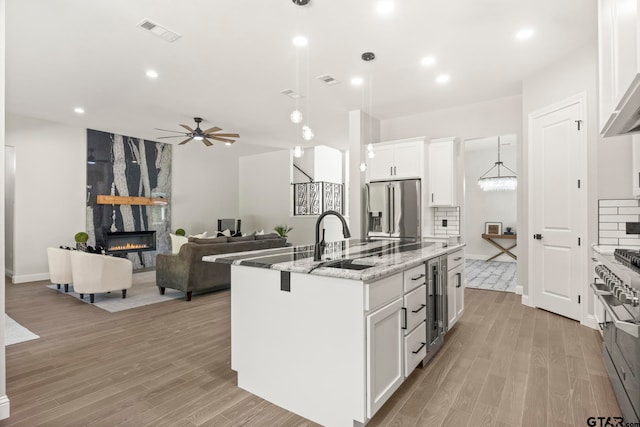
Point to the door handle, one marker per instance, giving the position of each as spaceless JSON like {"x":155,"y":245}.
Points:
{"x":537,"y":236}
{"x":420,"y":309}
{"x":404,"y":317}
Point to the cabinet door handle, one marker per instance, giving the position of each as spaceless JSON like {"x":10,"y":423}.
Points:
{"x":419,"y":348}
{"x":458,"y":258}
{"x":431,"y":197}
{"x":418,"y":277}
{"x":418,"y":310}
{"x":395,"y":170}
{"x":459,"y":280}
{"x":404,"y":316}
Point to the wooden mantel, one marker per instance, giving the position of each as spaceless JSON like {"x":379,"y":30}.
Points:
{"x":130,"y":200}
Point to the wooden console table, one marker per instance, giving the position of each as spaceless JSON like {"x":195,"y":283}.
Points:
{"x":491,"y":239}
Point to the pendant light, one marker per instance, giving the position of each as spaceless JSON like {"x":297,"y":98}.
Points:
{"x":498,"y":181}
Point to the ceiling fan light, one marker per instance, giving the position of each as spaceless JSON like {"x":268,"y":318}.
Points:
{"x":228,"y":144}
{"x":198,"y":137}
{"x":296,"y":116}
{"x":307,"y":133}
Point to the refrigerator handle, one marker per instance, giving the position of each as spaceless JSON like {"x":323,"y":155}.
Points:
{"x":393,"y":210}
{"x":389,"y":209}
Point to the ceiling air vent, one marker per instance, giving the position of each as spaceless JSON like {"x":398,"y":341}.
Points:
{"x":328,"y":79}
{"x":158,"y":30}
{"x":291,"y":94}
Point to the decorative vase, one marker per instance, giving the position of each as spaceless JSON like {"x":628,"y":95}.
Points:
{"x":81,"y":246}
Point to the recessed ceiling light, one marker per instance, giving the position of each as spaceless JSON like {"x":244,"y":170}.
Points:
{"x":442,"y":78}
{"x":428,"y":60}
{"x":357,"y":81}
{"x":524,"y":34}
{"x":78,"y":110}
{"x":300,"y":41}
{"x":385,"y":7}
{"x":152,"y":74}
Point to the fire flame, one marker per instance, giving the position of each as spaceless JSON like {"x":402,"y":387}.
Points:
{"x":129,"y":246}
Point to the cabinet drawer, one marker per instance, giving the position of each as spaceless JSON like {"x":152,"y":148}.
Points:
{"x":415,"y":305}
{"x":415,"y":348}
{"x":455,"y":259}
{"x":414,"y":277}
{"x":382,"y":291}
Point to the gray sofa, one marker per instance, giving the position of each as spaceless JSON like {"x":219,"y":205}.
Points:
{"x":187,"y":272}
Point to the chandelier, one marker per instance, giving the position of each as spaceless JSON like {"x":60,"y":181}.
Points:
{"x":498,"y":181}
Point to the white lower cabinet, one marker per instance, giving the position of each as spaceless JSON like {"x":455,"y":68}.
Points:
{"x":415,"y":348}
{"x":455,"y":287}
{"x":415,"y":306}
{"x":384,"y":354}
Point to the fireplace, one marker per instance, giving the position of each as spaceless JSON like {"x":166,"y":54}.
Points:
{"x":131,"y":241}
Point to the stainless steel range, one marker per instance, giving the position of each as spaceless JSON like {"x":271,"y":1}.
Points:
{"x":619,"y":291}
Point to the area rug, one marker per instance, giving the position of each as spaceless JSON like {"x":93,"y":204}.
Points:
{"x":492,"y":275}
{"x":15,"y":333}
{"x":143,"y":291}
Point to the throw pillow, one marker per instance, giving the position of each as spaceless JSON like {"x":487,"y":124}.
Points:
{"x":225,"y":233}
{"x":177,"y":242}
{"x":259,"y":233}
{"x":199,"y":236}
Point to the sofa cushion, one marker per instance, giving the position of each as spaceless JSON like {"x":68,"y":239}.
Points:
{"x":177,"y":242}
{"x":241,"y":239}
{"x":268,"y":236}
{"x":208,"y":240}
{"x":199,"y":236}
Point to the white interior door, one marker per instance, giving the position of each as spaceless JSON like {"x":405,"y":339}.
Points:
{"x":557,"y":207}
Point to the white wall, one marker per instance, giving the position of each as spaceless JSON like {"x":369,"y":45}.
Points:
{"x":205,"y":186}
{"x":266,"y":198}
{"x":50,"y":191}
{"x":4,"y":400}
{"x":9,"y":205}
{"x":487,"y":206}
{"x":327,"y":164}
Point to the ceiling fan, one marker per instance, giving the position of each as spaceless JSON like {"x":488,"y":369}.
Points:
{"x":201,"y":135}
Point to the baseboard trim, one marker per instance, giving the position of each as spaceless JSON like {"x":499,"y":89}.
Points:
{"x":518,"y":290}
{"x":4,"y":407}
{"x":590,"y":321}
{"x":527,"y":301}
{"x":24,"y":278}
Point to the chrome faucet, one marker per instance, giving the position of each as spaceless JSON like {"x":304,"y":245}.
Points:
{"x":320,"y":245}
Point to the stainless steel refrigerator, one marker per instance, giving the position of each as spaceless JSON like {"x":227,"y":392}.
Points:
{"x":393,"y":209}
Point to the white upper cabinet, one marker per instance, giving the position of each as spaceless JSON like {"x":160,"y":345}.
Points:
{"x":635,"y":156}
{"x":396,"y":160}
{"x":442,"y":178}
{"x":619,"y":67}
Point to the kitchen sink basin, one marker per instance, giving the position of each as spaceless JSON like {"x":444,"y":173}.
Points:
{"x":346,"y":263}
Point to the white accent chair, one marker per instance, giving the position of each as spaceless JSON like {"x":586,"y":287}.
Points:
{"x":60,"y":267}
{"x":95,"y":273}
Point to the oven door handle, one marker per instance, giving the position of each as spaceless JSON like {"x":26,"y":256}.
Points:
{"x":598,"y":291}
{"x":632,"y":329}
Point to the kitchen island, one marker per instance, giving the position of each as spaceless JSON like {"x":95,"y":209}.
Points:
{"x":332,"y":340}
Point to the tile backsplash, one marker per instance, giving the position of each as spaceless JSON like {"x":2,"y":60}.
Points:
{"x":613,"y":216}
{"x":451,"y":216}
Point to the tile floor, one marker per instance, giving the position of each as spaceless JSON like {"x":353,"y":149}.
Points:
{"x":491,"y":275}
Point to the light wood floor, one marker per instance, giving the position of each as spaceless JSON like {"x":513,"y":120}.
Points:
{"x":168,"y":364}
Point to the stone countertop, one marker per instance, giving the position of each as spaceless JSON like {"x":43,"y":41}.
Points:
{"x":385,"y":257}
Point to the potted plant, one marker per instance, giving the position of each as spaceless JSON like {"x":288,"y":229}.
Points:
{"x":180,"y":232}
{"x":282,"y":230}
{"x":81,"y":239}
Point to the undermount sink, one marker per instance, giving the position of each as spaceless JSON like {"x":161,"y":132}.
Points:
{"x":346,"y":263}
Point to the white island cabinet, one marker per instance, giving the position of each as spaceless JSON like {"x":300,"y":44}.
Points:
{"x":329,"y":344}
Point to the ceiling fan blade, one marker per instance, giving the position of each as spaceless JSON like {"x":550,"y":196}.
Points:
{"x":185,"y":141}
{"x":172,"y":136}
{"x":213,"y":129}
{"x":221,"y":139}
{"x":187,"y":128}
{"x":169,"y":130}
{"x":232,"y":135}
{"x":207,"y":142}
